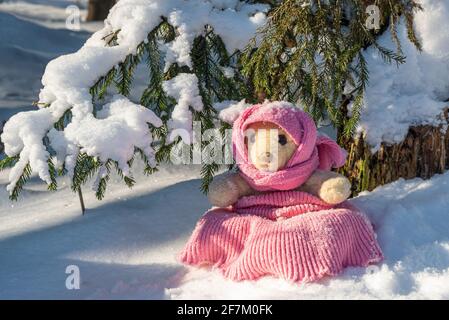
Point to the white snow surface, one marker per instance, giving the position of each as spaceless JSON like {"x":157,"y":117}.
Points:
{"x":25,"y":49}
{"x":126,"y":246}
{"x":56,"y":14}
{"x":417,"y":91}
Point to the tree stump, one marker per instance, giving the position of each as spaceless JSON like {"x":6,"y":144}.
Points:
{"x":2,"y":147}
{"x":423,"y":153}
{"x":98,"y":9}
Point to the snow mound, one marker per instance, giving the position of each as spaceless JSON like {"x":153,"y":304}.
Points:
{"x":416,"y":92}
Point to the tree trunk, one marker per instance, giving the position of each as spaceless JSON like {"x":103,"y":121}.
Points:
{"x":99,"y":9}
{"x":2,"y":124}
{"x":423,"y":153}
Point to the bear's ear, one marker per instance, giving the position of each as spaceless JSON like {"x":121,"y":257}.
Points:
{"x":331,"y":155}
{"x":229,"y":111}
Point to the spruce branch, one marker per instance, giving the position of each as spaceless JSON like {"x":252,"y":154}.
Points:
{"x":209,"y":57}
{"x":24,"y":177}
{"x":8,"y":162}
{"x":308,"y":53}
{"x":53,"y":186}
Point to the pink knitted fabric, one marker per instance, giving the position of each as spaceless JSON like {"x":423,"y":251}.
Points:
{"x":288,"y":234}
{"x":313,"y":151}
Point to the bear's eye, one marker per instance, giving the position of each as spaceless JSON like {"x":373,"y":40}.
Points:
{"x":282,"y":139}
{"x":252,"y":138}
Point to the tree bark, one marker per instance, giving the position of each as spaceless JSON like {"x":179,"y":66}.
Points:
{"x":99,"y":9}
{"x":2,"y":124}
{"x":423,"y":153}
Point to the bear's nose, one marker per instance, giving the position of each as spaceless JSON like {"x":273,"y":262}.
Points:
{"x":266,"y":156}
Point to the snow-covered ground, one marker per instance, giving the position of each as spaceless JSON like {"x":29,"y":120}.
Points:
{"x":125,"y":246}
{"x":51,"y":13}
{"x":32,"y":33}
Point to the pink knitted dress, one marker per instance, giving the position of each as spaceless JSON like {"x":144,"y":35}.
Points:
{"x":282,"y":232}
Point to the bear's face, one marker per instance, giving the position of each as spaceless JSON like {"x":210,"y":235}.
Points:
{"x":269,"y":146}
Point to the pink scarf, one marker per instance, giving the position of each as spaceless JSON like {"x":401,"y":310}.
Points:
{"x":313,"y":152}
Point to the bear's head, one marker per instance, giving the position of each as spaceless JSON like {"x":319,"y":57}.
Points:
{"x":269,"y":146}
{"x":277,"y":146}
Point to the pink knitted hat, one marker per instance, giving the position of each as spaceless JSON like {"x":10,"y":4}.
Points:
{"x":314,"y":151}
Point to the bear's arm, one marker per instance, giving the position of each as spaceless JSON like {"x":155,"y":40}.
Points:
{"x":330,"y":186}
{"x":227,"y":188}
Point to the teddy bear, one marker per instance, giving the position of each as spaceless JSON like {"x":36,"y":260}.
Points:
{"x":284,"y":213}
{"x":270,"y":147}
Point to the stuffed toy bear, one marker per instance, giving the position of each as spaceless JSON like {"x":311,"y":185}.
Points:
{"x":284,"y":213}
{"x":270,"y":147}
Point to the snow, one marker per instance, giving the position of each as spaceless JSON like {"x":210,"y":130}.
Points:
{"x":126,"y":245}
{"x":25,"y":49}
{"x":101,"y":249}
{"x":52,"y":14}
{"x":236,"y":22}
{"x":26,"y":131}
{"x":119,"y":128}
{"x":67,"y":79}
{"x":230,"y":110}
{"x":228,"y":72}
{"x":417,"y":91}
{"x":184,"y":88}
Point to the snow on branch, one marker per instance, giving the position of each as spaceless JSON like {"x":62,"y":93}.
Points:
{"x":184,"y":88}
{"x":114,"y":132}
{"x":417,"y":92}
